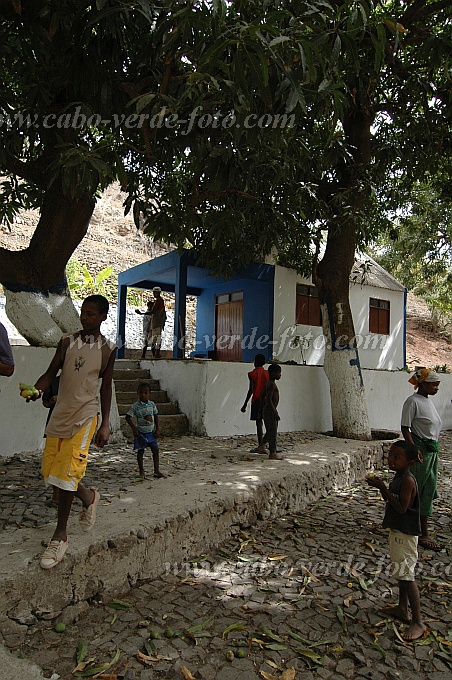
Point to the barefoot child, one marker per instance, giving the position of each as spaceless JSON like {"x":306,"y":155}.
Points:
{"x":258,"y":378}
{"x":146,"y":431}
{"x":402,"y":518}
{"x":270,"y":410}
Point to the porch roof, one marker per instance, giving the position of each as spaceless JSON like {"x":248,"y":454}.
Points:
{"x":161,"y":271}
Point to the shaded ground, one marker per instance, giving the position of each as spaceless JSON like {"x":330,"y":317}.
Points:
{"x":301,"y":592}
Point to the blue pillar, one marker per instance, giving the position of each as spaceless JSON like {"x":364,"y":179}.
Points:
{"x":121,"y":322}
{"x":180,"y":307}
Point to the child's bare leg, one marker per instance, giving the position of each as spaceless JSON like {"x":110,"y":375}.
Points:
{"x":418,"y":627}
{"x":140,"y":461}
{"x":85,"y":495}
{"x":55,"y":495}
{"x":260,"y":436}
{"x":272,"y":431}
{"x":156,"y":460}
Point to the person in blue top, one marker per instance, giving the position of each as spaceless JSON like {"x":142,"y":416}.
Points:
{"x":403,"y":519}
{"x":146,"y":429}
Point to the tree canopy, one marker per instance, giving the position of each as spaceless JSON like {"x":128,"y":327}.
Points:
{"x":235,"y":128}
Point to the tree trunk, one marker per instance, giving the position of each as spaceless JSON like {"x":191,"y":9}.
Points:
{"x":37,"y":298}
{"x":332,"y":279}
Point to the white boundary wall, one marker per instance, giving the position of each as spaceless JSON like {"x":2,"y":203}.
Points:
{"x":21,"y":424}
{"x":211,"y":393}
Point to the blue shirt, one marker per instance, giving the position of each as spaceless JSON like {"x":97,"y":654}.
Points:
{"x":140,"y":409}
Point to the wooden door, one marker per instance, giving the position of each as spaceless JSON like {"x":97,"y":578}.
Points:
{"x":229,"y":327}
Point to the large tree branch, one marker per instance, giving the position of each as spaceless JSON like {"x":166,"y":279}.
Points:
{"x":31,"y":172}
{"x":62,"y":225}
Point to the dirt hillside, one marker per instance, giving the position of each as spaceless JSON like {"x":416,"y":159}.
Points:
{"x":424,"y":347}
{"x":114,"y":240}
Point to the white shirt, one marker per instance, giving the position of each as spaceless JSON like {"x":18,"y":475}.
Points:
{"x":421,"y":416}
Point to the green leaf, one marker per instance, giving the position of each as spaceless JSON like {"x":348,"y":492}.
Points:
{"x":274,"y":646}
{"x":143,"y":101}
{"x":336,"y":51}
{"x":278,"y":40}
{"x":82,"y":651}
{"x":268,"y":633}
{"x":200,"y":626}
{"x":95,"y":670}
{"x":309,"y":654}
{"x":150,"y":648}
{"x":232,"y":627}
{"x":118,"y":604}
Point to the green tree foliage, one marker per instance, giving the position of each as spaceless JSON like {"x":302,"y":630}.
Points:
{"x":418,"y":248}
{"x":367,"y":84}
{"x":82,"y":283}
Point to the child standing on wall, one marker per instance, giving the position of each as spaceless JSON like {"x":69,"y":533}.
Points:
{"x":402,"y":518}
{"x":270,"y":410}
{"x":146,"y":430}
{"x":258,"y":378}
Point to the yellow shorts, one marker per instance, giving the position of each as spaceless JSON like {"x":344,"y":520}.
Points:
{"x":64,"y":460}
{"x":403,"y":552}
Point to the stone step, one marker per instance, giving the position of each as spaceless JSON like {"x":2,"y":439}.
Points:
{"x":127,"y":363}
{"x":167,"y":408}
{"x":130,"y":374}
{"x":132,"y":385}
{"x":130,"y":397}
{"x":169,"y":426}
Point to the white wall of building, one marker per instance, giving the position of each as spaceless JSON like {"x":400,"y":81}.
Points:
{"x":211,"y":394}
{"x":186,"y":382}
{"x":21,"y":424}
{"x":375,"y":351}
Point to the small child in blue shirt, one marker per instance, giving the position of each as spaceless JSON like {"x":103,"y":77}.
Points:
{"x":146,"y":430}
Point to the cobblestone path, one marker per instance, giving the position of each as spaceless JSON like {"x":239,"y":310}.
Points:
{"x":296,"y":597}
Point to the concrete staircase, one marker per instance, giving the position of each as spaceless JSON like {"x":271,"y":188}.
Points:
{"x":127,"y":375}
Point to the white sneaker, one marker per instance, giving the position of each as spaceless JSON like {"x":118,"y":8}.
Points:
{"x":87,"y":516}
{"x":53,"y":554}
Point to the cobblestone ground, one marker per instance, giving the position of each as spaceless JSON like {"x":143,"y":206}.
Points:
{"x":296,"y":597}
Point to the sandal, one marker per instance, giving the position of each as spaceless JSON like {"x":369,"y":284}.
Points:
{"x":430,"y":544}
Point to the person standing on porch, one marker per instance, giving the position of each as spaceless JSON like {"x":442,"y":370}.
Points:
{"x":421,"y":425}
{"x":156,"y":313}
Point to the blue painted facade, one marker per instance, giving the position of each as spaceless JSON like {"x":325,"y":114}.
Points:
{"x":257,"y":285}
{"x":182,"y":274}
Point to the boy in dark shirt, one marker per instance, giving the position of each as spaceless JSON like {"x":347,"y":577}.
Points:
{"x":270,"y":409}
{"x":402,"y":518}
